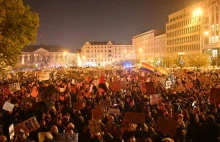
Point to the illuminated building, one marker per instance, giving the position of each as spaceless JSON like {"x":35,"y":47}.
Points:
{"x":104,"y":53}
{"x":46,"y":56}
{"x":149,"y":45}
{"x":195,"y":29}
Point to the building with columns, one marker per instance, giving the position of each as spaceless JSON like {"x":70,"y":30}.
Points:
{"x":195,"y":29}
{"x":104,"y":53}
{"x":45,"y":56}
{"x":150,"y":45}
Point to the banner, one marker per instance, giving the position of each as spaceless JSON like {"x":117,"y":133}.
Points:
{"x":28,"y":125}
{"x":117,"y":85}
{"x":132,"y":117}
{"x":155,"y":99}
{"x":166,"y":126}
{"x":8,"y":106}
{"x":67,"y":137}
{"x":94,"y":126}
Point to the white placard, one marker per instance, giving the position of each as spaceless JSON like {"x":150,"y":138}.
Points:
{"x":62,"y":90}
{"x":73,"y":81}
{"x":8,"y":106}
{"x":29,"y":125}
{"x":43,"y":76}
{"x":168,"y":84}
{"x":11,"y":131}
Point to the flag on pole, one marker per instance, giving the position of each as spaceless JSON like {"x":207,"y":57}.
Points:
{"x":102,"y":85}
{"x":147,"y":67}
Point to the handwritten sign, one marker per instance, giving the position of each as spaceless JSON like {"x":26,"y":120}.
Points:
{"x":67,"y":137}
{"x":8,"y":106}
{"x":132,"y":117}
{"x":95,"y":126}
{"x":43,"y":76}
{"x":155,"y":99}
{"x":28,"y":125}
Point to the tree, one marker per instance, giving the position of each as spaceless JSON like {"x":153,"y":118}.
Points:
{"x":18,"y":27}
{"x":199,"y":60}
{"x":169,"y":61}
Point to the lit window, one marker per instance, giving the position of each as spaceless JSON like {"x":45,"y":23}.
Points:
{"x":216,"y":38}
{"x":213,"y":39}
{"x":213,"y":27}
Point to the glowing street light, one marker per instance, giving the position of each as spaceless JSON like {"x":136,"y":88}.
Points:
{"x":197,"y":12}
{"x":64,"y":53}
{"x":206,"y":33}
{"x":140,"y":49}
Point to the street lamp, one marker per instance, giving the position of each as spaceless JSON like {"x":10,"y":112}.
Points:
{"x":197,"y":12}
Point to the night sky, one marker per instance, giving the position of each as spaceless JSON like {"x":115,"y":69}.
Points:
{"x":71,"y":23}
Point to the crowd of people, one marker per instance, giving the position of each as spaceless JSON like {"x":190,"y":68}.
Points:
{"x":196,"y":115}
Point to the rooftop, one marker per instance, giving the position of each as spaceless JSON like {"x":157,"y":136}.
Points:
{"x":49,"y":48}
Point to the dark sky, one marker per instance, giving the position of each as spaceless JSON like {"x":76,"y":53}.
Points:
{"x":73,"y":22}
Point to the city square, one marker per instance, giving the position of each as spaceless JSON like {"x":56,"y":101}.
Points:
{"x":63,"y":80}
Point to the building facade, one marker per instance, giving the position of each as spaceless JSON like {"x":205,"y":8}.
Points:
{"x":195,"y":29}
{"x":104,"y":53}
{"x":149,"y":45}
{"x":45,"y":56}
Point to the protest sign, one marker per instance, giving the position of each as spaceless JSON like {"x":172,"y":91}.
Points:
{"x":180,"y":88}
{"x":168,"y":84}
{"x":215,"y":96}
{"x":11,"y":131}
{"x":117,"y":85}
{"x":43,"y":76}
{"x":94,"y":126}
{"x":166,"y":126}
{"x":155,"y":99}
{"x":150,"y":88}
{"x":189,"y":85}
{"x":97,"y":113}
{"x":34,"y":92}
{"x":113,"y":111}
{"x":8,"y":106}
{"x":66,"y":137}
{"x":104,"y":104}
{"x":28,"y":125}
{"x":14,"y":87}
{"x":132,"y":117}
{"x":62,"y":90}
{"x":78,"y":105}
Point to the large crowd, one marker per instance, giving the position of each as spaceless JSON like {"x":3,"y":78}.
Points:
{"x":64,"y":104}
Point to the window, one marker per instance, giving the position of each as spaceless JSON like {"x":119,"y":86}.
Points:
{"x":216,"y":38}
{"x":216,"y":27}
{"x":213,"y":39}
